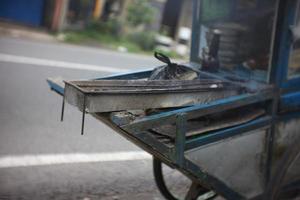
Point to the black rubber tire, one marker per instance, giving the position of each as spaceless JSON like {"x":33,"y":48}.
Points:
{"x":160,"y":181}
{"x":161,"y":184}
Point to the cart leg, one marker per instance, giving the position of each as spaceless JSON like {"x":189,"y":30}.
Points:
{"x":159,"y":180}
{"x":195,"y":191}
{"x":62,"y":109}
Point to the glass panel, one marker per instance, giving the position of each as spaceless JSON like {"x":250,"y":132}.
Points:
{"x":236,"y":36}
{"x":294,"y":61}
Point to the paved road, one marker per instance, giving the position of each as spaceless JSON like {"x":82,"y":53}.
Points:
{"x":30,"y":131}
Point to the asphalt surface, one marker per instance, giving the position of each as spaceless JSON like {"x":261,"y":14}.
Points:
{"x":29,"y":125}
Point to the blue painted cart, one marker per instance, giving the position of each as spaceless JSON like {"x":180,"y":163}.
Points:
{"x":232,"y":152}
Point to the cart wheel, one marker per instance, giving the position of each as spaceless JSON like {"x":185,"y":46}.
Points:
{"x":194,"y":192}
{"x":275,"y":190}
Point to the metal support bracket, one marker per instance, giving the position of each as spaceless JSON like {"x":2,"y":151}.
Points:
{"x":62,"y":109}
{"x":180,"y":138}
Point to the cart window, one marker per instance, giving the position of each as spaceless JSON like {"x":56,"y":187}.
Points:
{"x":236,"y":35}
{"x":294,"y":60}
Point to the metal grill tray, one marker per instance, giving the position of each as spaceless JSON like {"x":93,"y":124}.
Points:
{"x":116,"y":95}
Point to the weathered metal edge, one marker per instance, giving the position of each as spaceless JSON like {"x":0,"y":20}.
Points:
{"x":199,"y":110}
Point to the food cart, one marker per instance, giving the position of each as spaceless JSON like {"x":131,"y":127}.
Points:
{"x":228,"y":119}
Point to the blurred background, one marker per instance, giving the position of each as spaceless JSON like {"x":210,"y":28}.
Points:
{"x":42,"y":158}
{"x":126,"y":25}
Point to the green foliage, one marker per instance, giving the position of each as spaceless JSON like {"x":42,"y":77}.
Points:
{"x":111,"y":34}
{"x":146,"y":40}
{"x":170,"y":54}
{"x":140,"y":12}
{"x":112,"y":26}
{"x":72,"y":37}
{"x":90,"y":36}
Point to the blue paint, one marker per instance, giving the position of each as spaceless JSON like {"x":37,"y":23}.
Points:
{"x":28,"y":12}
{"x":194,"y":56}
{"x":290,"y":101}
{"x":281,"y":67}
{"x":281,"y":56}
{"x":291,"y":84}
{"x":181,"y":127}
{"x":55,"y":87}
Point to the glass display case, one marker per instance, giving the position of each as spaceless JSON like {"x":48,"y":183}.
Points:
{"x":236,"y":37}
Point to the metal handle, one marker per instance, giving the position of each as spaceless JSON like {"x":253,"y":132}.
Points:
{"x":163,"y":58}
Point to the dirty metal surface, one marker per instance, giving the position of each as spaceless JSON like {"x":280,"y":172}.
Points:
{"x":212,"y":123}
{"x":286,"y":133}
{"x":95,"y":87}
{"x":118,"y":95}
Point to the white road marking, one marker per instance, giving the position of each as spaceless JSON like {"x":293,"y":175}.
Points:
{"x":59,"y":64}
{"x":57,"y":159}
